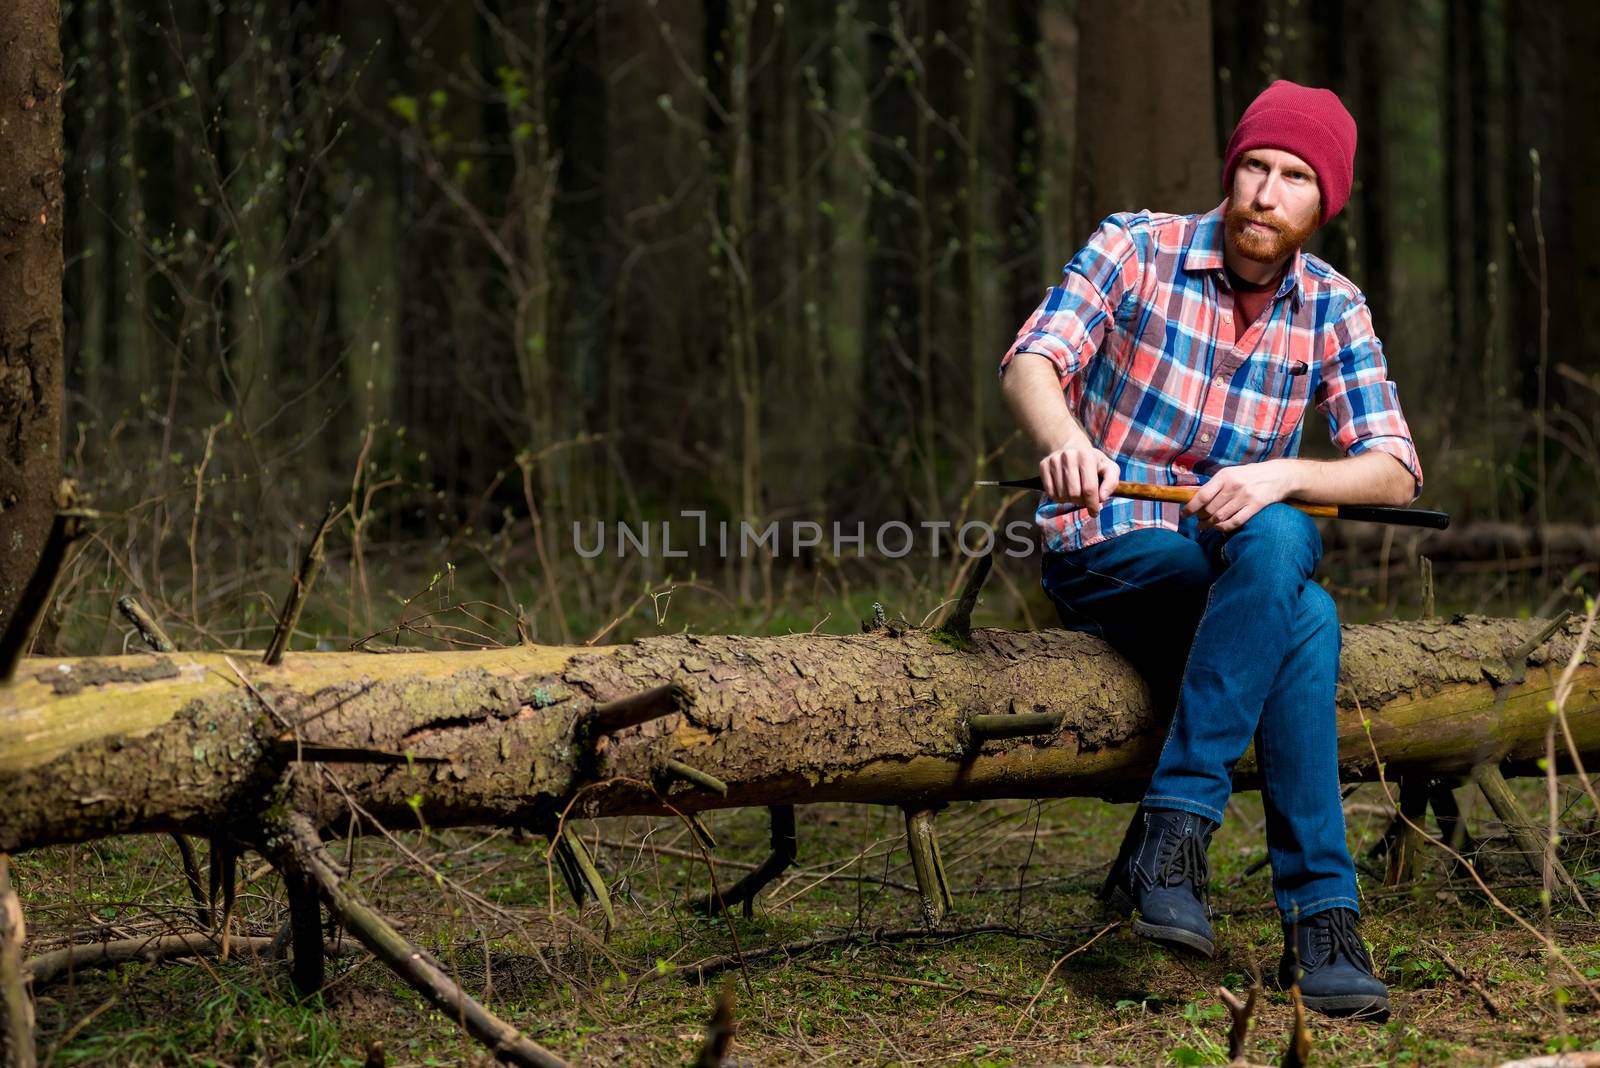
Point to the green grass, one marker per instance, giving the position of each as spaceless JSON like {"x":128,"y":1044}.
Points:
{"x":576,"y":987}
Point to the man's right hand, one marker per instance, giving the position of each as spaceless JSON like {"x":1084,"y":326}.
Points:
{"x":1081,"y":475}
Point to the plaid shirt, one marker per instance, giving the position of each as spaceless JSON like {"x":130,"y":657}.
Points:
{"x":1138,"y":331}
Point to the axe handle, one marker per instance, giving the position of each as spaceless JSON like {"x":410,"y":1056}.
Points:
{"x":1371,"y":513}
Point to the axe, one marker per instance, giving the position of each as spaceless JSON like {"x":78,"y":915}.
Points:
{"x":1366,"y":513}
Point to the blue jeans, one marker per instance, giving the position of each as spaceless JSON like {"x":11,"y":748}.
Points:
{"x":1232,"y":635}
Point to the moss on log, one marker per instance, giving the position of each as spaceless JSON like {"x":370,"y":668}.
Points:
{"x":207,"y":743}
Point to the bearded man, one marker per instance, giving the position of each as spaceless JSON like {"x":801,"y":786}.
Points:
{"x":1183,"y":350}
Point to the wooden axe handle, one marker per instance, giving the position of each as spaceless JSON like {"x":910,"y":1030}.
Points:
{"x":1370,"y":513}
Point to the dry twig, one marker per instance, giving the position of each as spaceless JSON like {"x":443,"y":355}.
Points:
{"x":785,"y":848}
{"x":16,"y":1010}
{"x":719,"y":1032}
{"x":701,"y":970}
{"x":1460,"y":973}
{"x":150,"y":631}
{"x":1027,"y":1013}
{"x":1239,"y":1012}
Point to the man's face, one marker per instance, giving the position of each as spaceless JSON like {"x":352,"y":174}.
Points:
{"x":1274,"y":205}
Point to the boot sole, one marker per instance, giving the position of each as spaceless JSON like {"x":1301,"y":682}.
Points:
{"x":1172,"y":937}
{"x":1364,"y":1007}
{"x":1176,"y":938}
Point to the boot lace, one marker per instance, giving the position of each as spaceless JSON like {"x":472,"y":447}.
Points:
{"x":1184,"y":863}
{"x":1339,"y":938}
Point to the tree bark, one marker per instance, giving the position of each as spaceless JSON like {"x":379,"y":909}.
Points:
{"x":1576,"y":279}
{"x":212,"y":744}
{"x":1155,"y":148}
{"x":657,"y":326}
{"x":31,"y":181}
{"x":1376,"y":26}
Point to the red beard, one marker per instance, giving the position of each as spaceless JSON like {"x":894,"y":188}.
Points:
{"x":1264,"y":247}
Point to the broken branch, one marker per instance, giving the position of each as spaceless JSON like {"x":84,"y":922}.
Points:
{"x":743,"y":892}
{"x":301,"y":851}
{"x":637,"y":708}
{"x":149,"y":630}
{"x":47,"y":968}
{"x":16,"y":1009}
{"x":299,"y":589}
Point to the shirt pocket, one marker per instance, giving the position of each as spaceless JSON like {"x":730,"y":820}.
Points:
{"x":1133,"y":390}
{"x":1285,"y":390}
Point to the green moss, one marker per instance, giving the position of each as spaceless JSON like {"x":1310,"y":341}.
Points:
{"x":544,"y":698}
{"x":950,"y":639}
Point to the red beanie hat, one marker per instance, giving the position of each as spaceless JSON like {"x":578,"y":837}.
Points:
{"x":1312,"y":124}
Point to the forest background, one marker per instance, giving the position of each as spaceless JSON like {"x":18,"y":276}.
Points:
{"x":469,"y":274}
{"x":481,"y":271}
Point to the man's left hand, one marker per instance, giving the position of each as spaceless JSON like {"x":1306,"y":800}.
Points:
{"x":1234,"y":494}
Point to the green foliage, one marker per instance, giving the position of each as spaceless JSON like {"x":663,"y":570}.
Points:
{"x":404,"y":106}
{"x":1415,"y":966}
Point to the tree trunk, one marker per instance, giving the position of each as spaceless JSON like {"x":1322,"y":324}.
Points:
{"x":216,"y":745}
{"x":1155,"y":148}
{"x":1470,"y":219}
{"x":657,"y":326}
{"x":895,"y":369}
{"x":1579,"y":276}
{"x":1376,"y":26}
{"x":30,"y":286}
{"x":1533,"y":68}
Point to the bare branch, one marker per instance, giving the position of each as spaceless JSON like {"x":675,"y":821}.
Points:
{"x":143,"y":622}
{"x":299,"y":589}
{"x":743,"y":892}
{"x":638,"y":708}
{"x":301,"y":849}
{"x":46,"y":968}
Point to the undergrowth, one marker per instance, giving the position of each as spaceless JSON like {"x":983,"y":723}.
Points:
{"x":604,"y":996}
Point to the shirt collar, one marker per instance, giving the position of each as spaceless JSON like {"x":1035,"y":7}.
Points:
{"x":1204,"y":253}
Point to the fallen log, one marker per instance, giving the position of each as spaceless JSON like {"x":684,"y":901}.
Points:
{"x":212,"y":744}
{"x":1501,"y":544}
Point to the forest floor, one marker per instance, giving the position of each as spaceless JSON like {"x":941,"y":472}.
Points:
{"x":495,"y":913}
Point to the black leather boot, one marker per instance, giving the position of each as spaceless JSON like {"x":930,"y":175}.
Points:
{"x":1161,"y":871}
{"x":1326,"y":955}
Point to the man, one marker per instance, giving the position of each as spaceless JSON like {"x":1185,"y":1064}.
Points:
{"x":1183,"y":350}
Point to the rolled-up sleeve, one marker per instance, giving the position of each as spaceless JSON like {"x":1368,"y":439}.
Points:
{"x":1069,"y":325}
{"x":1361,"y":403}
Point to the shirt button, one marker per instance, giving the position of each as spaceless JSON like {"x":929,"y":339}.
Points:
{"x":1205,"y":437}
{"x":1219,"y":380}
{"x":1227,"y":318}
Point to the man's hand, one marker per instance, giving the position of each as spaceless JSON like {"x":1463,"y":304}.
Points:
{"x":1234,"y":494}
{"x":1081,"y":475}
